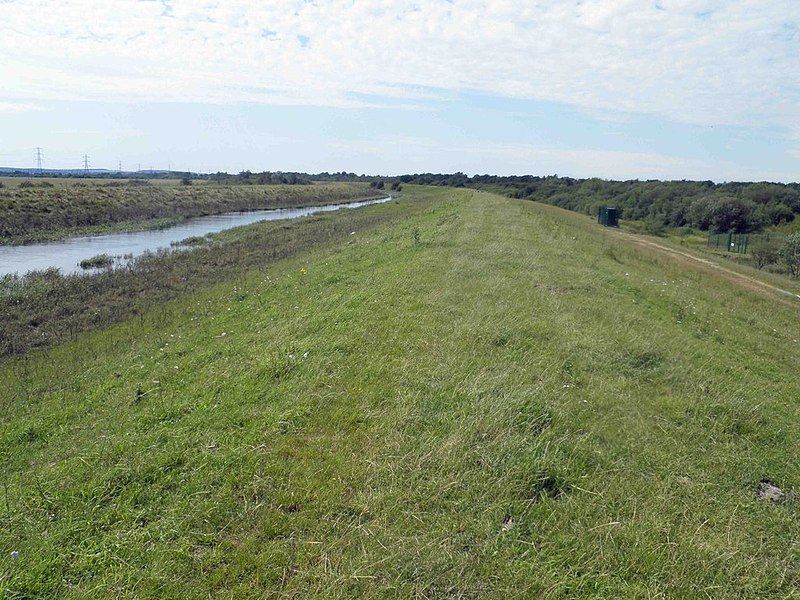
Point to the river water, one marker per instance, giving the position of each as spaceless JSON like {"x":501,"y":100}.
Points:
{"x":66,"y":254}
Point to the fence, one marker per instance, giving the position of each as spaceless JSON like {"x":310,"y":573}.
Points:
{"x":739,"y":243}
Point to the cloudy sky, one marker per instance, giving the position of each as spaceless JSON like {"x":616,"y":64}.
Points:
{"x":694,"y":89}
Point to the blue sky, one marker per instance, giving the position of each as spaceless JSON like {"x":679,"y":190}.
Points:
{"x":689,"y":89}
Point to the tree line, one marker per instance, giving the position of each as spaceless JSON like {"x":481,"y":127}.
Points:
{"x":739,"y":207}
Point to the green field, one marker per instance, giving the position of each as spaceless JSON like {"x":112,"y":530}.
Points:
{"x":488,"y":398}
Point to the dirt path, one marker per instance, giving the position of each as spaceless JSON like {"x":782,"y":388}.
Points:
{"x":743,"y":281}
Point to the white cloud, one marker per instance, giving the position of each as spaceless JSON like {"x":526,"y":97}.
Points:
{"x":695,"y":61}
{"x":14,"y":107}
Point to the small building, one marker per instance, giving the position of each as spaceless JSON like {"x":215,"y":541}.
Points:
{"x":609,"y":216}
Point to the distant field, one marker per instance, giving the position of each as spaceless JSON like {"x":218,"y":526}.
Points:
{"x":488,"y":398}
{"x":14,"y":182}
{"x":72,"y":207}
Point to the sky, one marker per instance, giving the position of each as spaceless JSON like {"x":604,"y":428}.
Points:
{"x":617,"y":89}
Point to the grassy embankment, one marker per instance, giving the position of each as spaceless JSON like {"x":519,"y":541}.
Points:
{"x":44,"y":308}
{"x":47,"y":211}
{"x":490,"y":399}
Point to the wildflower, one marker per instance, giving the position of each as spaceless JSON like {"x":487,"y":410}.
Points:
{"x":14,"y":554}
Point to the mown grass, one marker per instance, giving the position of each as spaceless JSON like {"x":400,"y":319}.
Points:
{"x":48,"y":211}
{"x":487,"y":400}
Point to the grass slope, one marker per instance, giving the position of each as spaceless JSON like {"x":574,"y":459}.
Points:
{"x":44,"y":308}
{"x":489,"y":400}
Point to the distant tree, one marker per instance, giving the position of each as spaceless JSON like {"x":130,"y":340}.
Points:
{"x":700,"y":212}
{"x":734,"y":214}
{"x":654,"y":224}
{"x":777,"y":214}
{"x":790,"y":253}
{"x":186,"y":181}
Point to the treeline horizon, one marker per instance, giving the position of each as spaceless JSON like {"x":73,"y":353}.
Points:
{"x":739,"y":207}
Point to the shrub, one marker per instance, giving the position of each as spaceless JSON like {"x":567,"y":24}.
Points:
{"x":734,"y":214}
{"x":790,"y":253}
{"x":765,"y":254}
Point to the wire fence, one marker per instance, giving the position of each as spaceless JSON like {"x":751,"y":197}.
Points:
{"x":740,"y":243}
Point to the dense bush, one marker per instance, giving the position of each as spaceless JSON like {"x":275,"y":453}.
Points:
{"x":790,"y":254}
{"x":765,"y":254}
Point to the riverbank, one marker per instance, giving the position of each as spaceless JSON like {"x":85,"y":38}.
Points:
{"x":44,"y":307}
{"x":70,"y":255}
{"x":45,"y":211}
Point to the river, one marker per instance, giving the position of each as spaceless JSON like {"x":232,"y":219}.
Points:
{"x":66,"y":255}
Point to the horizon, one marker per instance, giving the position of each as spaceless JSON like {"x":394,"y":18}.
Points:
{"x":75,"y":173}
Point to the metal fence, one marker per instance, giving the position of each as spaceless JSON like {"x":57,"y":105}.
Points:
{"x":739,"y":243}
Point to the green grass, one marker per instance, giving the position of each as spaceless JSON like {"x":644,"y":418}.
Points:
{"x":490,"y":399}
{"x":44,"y":308}
{"x":696,"y":242}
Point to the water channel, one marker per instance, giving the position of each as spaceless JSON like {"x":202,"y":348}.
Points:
{"x":66,"y":254}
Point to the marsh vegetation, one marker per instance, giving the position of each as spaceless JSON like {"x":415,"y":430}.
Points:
{"x":44,"y":210}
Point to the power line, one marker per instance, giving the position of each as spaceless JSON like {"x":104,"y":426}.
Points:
{"x":85,"y":164}
{"x":39,"y":157}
